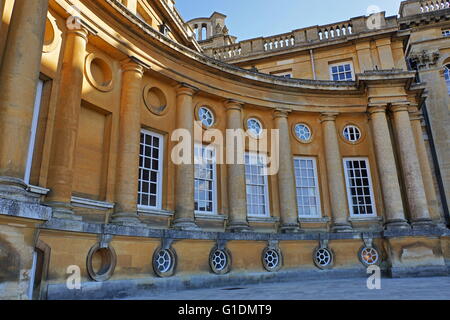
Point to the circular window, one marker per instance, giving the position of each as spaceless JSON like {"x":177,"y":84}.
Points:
{"x":220,"y":261}
{"x":101,"y":263}
{"x":303,"y":132}
{"x":369,"y":256}
{"x":352,"y":133}
{"x":164,"y":262}
{"x":323,"y":258}
{"x":155,"y":100}
{"x":206,"y":116}
{"x":99,"y":73}
{"x":51,"y":40}
{"x":272,"y":259}
{"x":254,"y":127}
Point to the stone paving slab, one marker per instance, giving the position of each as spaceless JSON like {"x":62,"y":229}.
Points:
{"x":437,"y":288}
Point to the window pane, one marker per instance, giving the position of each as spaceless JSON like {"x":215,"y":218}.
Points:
{"x":257,"y":191}
{"x":308,"y":200}
{"x":359,"y":188}
{"x":204,"y":179}
{"x":149,"y":170}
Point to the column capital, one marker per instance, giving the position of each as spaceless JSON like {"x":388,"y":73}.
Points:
{"x":415,"y":113}
{"x":77,"y":25}
{"x":186,"y":89}
{"x":135,"y":65}
{"x":281,"y":113}
{"x":400,"y":107}
{"x":328,"y":116}
{"x":374,"y":109}
{"x":231,"y":104}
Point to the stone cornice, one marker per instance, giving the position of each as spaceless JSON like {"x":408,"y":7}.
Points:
{"x":219,"y":66}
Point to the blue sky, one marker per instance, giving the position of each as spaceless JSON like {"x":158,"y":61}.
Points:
{"x":254,"y":18}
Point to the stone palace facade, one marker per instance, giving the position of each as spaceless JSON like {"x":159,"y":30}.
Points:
{"x":93,"y":93}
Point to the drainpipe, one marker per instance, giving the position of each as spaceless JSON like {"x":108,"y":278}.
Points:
{"x":311,"y":53}
{"x":434,"y":156}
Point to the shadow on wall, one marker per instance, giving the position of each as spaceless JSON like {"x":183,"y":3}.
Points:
{"x":9,"y":262}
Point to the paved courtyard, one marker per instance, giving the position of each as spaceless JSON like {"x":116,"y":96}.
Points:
{"x":342,"y":289}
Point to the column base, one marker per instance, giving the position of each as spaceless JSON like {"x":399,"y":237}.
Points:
{"x":422,"y":224}
{"x":126,"y":219}
{"x":341,"y":227}
{"x":62,"y":210}
{"x":185,"y":224}
{"x":236,"y":227}
{"x":290,"y":228}
{"x":16,"y":189}
{"x":399,"y":224}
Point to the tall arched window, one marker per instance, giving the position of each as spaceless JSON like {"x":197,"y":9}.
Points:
{"x":447,"y":76}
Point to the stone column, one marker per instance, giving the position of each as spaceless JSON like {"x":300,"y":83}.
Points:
{"x":237,"y":192}
{"x":387,"y":169}
{"x":184,"y":176}
{"x":18,"y":83}
{"x":418,"y":207}
{"x":427,"y":175}
{"x":438,"y":100}
{"x":129,"y":143}
{"x":65,"y":132}
{"x":286,"y":175}
{"x":335,"y":174}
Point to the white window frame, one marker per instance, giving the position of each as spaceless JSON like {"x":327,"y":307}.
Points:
{"x":349,"y":194}
{"x":356,"y":131}
{"x":214,"y":181}
{"x":159,"y":186}
{"x":317,"y":191}
{"x":283,"y":74}
{"x":342,"y":64}
{"x":33,"y":131}
{"x":446,"y":32}
{"x":266,"y":188}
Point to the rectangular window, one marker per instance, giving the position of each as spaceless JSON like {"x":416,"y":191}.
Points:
{"x":341,"y":72}
{"x":284,"y":74}
{"x":359,"y":187}
{"x":307,"y":185}
{"x":205,"y":180}
{"x":257,"y":185}
{"x":150,"y":170}
{"x":447,"y":77}
{"x":446,"y":33}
